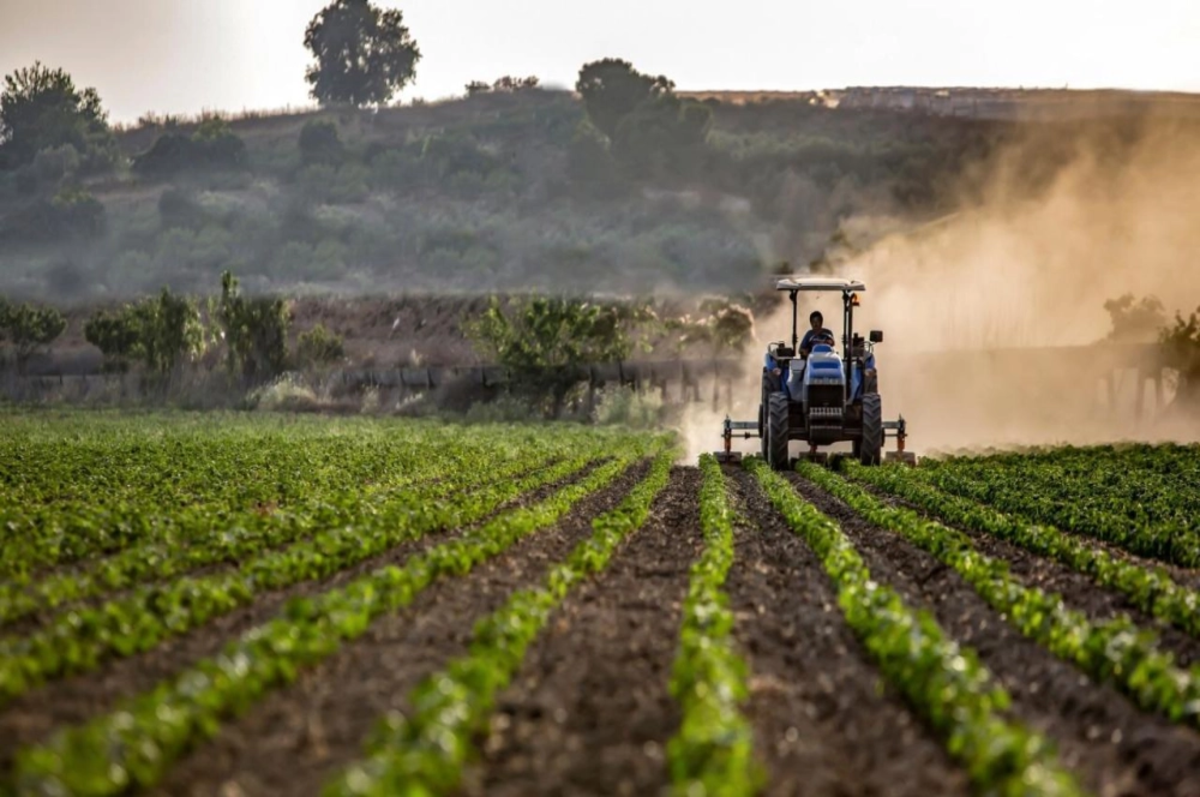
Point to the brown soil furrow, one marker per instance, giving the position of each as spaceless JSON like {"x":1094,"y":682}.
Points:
{"x":1113,"y":747}
{"x":823,"y":725}
{"x":1078,"y":589}
{"x":590,"y":712}
{"x":297,"y":737}
{"x":30,"y":718}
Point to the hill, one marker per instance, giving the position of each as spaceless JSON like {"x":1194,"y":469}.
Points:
{"x":508,"y":191}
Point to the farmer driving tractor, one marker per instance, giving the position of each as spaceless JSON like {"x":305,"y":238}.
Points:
{"x":818,"y":334}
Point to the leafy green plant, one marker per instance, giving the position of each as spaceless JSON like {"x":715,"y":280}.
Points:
{"x":713,"y":751}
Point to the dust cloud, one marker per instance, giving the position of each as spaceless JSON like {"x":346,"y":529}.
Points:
{"x":975,"y":305}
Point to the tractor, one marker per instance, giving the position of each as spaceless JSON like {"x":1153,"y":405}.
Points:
{"x":820,"y":397}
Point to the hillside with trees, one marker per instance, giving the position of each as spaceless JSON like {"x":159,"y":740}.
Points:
{"x":623,"y":185}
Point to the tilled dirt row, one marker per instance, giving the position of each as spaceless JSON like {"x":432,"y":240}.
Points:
{"x":291,"y":742}
{"x":32,"y":717}
{"x":1078,"y":590}
{"x":590,"y":712}
{"x":823,"y":722}
{"x":1113,"y":747}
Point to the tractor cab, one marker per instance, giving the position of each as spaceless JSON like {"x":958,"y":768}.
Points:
{"x":825,"y":396}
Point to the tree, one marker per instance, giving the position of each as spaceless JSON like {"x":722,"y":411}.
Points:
{"x":544,"y":340}
{"x":255,"y":331}
{"x":29,"y":327}
{"x":1181,"y":350}
{"x":612,"y":90}
{"x":364,"y":55}
{"x":40,"y":108}
{"x":116,"y":335}
{"x":1135,"y":321}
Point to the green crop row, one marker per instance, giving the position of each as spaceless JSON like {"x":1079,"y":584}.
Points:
{"x":1114,"y":651}
{"x":1151,"y":590}
{"x":424,"y":753}
{"x":79,"y":640}
{"x":134,"y":745}
{"x":713,"y":752}
{"x":37,"y":536}
{"x":945,"y":684}
{"x":1143,"y":510}
{"x":197,"y":545}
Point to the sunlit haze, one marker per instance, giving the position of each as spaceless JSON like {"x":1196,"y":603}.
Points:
{"x":184,"y":56}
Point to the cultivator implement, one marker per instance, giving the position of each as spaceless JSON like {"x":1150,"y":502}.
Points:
{"x":747,"y":430}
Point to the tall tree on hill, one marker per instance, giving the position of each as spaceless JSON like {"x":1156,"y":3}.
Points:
{"x":40,"y":108}
{"x":612,"y":90}
{"x":364,"y":55}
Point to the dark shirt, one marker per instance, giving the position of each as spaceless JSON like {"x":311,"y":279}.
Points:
{"x":806,"y":344}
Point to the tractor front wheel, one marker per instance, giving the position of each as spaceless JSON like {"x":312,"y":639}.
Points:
{"x":777,"y":431}
{"x":870,"y":447}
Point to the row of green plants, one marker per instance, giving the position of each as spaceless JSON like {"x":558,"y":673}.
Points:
{"x":1115,"y":652}
{"x":1135,"y":510}
{"x":1154,"y":480}
{"x":426,"y":751}
{"x":1150,"y":589}
{"x":79,"y":640}
{"x":945,"y":684}
{"x":70,"y":500}
{"x":194,"y":541}
{"x":713,"y":751}
{"x":134,"y":745}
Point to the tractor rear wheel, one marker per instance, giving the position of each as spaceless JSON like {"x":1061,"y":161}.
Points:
{"x":777,"y":431}
{"x":870,"y":447}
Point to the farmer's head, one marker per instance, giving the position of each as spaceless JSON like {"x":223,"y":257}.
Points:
{"x":816,"y":319}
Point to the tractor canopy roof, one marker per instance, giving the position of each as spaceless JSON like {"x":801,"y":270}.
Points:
{"x":818,"y":284}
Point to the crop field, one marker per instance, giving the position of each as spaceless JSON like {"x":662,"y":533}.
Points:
{"x":245,"y":605}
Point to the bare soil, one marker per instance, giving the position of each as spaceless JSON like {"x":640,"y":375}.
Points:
{"x":590,"y":711}
{"x":822,"y":718}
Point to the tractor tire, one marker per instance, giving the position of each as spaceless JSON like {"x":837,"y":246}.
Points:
{"x":870,"y":447}
{"x":777,"y":431}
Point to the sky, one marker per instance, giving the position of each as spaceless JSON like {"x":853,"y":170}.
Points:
{"x":185,"y":56}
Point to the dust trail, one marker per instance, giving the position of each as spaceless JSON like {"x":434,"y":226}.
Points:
{"x":1027,"y":261}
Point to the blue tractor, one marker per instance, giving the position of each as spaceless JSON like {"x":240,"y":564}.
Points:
{"x":818,"y":396}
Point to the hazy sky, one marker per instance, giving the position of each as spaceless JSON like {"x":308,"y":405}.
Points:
{"x":182,"y":56}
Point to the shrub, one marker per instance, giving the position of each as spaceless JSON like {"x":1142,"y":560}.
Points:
{"x":319,"y":143}
{"x":319,"y":346}
{"x":624,"y":406}
{"x":287,"y":393}
{"x":213,"y":146}
{"x":73,"y":214}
